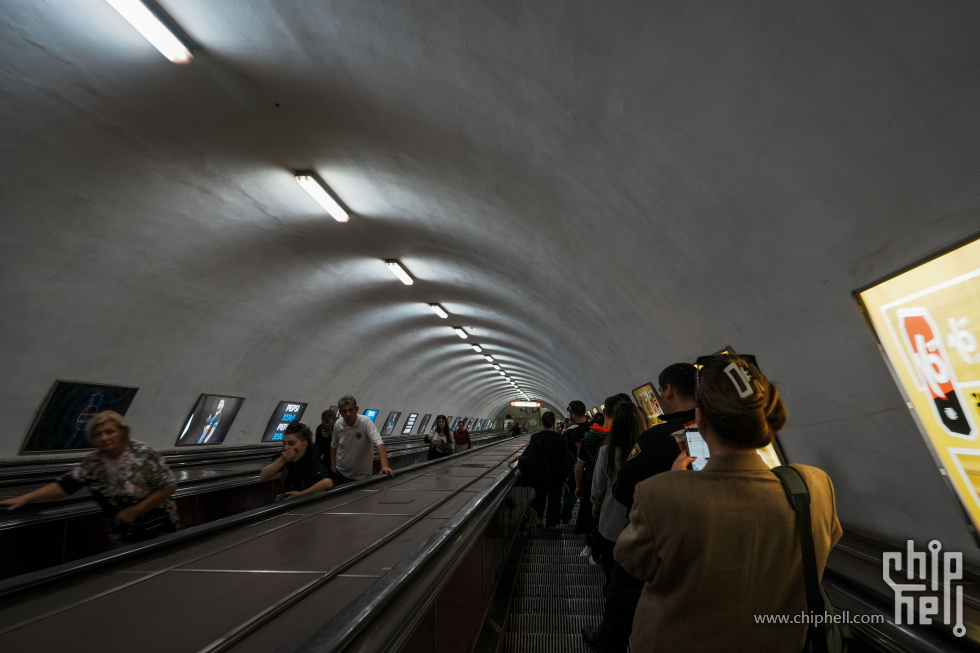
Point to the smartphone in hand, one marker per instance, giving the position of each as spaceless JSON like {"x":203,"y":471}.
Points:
{"x":696,"y":448}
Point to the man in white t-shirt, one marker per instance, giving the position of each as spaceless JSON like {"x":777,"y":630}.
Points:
{"x":352,"y":445}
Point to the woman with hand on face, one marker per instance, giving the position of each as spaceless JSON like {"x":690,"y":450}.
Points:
{"x":440,"y":441}
{"x":303,"y":471}
{"x":128,"y":479}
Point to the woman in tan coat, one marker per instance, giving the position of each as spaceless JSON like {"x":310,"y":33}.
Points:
{"x":720,"y":546}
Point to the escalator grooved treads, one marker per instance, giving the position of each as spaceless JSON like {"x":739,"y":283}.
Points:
{"x":556,"y":594}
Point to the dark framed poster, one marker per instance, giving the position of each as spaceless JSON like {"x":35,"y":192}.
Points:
{"x":424,"y":422}
{"x":409,"y":423}
{"x":286,"y":413}
{"x":210,"y":419}
{"x":59,"y":424}
{"x":390,"y":422}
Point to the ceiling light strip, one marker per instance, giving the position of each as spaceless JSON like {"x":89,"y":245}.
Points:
{"x":399,"y":271}
{"x":153,"y":30}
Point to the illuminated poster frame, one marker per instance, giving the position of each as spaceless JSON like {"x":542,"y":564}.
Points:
{"x":424,"y":423}
{"x":286,"y":413}
{"x":390,"y":422}
{"x":371,"y":413}
{"x":409,"y":423}
{"x":925,"y":319}
{"x":221,"y":411}
{"x":648,"y":400}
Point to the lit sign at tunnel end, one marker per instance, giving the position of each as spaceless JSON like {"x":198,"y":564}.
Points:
{"x":526,"y":404}
{"x":927,"y":321}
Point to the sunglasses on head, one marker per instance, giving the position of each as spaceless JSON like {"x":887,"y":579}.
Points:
{"x":739,"y":376}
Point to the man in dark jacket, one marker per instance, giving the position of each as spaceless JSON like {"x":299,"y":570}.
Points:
{"x":654,"y":452}
{"x":543,"y":466}
{"x":574,"y":433}
{"x":323,"y":435}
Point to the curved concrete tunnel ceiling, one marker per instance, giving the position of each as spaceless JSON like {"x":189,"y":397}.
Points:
{"x":595,"y":191}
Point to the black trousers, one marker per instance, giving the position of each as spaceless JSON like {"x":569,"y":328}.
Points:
{"x":622,"y":594}
{"x":568,"y":499}
{"x":602,"y":552}
{"x":551,"y":496}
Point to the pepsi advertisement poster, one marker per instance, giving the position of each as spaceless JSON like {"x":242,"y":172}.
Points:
{"x":210,"y":420}
{"x":60,"y":422}
{"x":371,"y":413}
{"x":286,"y":413}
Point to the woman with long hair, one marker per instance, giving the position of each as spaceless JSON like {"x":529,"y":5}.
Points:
{"x":440,"y":441}
{"x":628,"y":422}
{"x":723,"y":543}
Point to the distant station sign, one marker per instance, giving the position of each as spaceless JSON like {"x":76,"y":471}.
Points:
{"x":927,"y":323}
{"x":526,"y":404}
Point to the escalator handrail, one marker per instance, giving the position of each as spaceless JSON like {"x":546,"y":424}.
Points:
{"x":348,"y":624}
{"x":36,"y":580}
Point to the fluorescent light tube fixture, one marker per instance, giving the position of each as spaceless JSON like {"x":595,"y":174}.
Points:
{"x":319,"y":192}
{"x":477,"y":348}
{"x":489,"y":359}
{"x":496,"y":367}
{"x":439,"y":310}
{"x":459,"y":332}
{"x":153,"y":29}
{"x":400,"y":272}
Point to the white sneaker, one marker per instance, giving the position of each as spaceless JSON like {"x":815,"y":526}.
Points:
{"x":586,"y":552}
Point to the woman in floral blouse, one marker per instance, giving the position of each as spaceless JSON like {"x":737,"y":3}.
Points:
{"x":128,"y":479}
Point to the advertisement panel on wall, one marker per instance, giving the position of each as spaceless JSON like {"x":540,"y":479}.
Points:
{"x":285,"y":414}
{"x":210,"y":419}
{"x":649,"y":402}
{"x":409,"y":423}
{"x":927,"y":322}
{"x":60,"y":423}
{"x":390,"y":422}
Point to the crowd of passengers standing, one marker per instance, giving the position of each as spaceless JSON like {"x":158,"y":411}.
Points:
{"x":721,"y":543}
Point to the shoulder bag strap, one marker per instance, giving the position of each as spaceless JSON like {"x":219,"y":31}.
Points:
{"x":799,"y":498}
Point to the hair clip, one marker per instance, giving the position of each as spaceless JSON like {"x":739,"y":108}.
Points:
{"x":741,"y":380}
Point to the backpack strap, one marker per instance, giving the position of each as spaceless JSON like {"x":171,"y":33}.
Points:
{"x":799,"y":498}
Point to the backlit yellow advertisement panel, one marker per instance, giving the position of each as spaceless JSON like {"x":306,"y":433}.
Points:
{"x":927,"y":321}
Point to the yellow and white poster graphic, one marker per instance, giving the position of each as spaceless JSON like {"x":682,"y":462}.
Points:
{"x":928,"y":323}
{"x":646,"y":397}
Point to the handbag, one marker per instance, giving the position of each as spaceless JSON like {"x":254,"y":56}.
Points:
{"x":147,"y":526}
{"x":826,"y":637}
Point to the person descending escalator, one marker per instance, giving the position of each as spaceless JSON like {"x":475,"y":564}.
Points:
{"x":543,"y":466}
